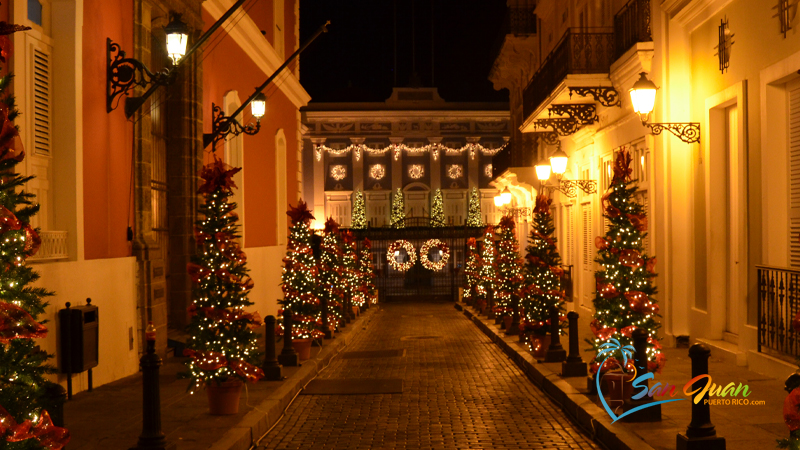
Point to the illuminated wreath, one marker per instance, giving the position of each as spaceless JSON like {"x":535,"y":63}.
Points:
{"x":395,"y":247}
{"x":426,"y":247}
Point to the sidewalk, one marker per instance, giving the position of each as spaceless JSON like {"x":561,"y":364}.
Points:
{"x":743,"y":427}
{"x":110,"y":417}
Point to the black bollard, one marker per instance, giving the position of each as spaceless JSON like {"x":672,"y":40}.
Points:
{"x":574,"y":365}
{"x":326,"y":328}
{"x":53,"y":402}
{"x":272,"y":370}
{"x":288,"y":356}
{"x":348,"y":310}
{"x":556,"y":352}
{"x":651,"y":413}
{"x":513,"y":330}
{"x":152,"y":438}
{"x":700,"y":434}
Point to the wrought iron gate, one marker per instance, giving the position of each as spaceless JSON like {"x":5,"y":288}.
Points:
{"x":418,"y":283}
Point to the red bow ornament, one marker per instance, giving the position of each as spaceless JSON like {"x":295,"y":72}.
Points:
{"x":300,"y":214}
{"x":630,"y":258}
{"x":622,"y":166}
{"x":639,"y":302}
{"x":32,"y":240}
{"x":331,"y":227}
{"x":601,"y":331}
{"x":639,"y":221}
{"x":217,"y":176}
{"x":607,"y":290}
{"x":16,"y":323}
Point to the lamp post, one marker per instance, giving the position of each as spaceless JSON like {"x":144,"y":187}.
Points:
{"x":643,"y":98}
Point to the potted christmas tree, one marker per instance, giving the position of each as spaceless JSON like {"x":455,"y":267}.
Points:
{"x":223,"y":348}
{"x":471,"y":273}
{"x":367,"y":275}
{"x":331,"y":277}
{"x":351,"y":277}
{"x":543,"y":273}
{"x":509,"y":274}
{"x":487,"y":274}
{"x":624,"y":296}
{"x":299,"y":284}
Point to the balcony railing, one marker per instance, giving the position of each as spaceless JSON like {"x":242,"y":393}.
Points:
{"x":578,"y":52}
{"x":778,"y":303}
{"x":631,"y":25}
{"x":54,"y":246}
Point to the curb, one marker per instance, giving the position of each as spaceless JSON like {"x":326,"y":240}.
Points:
{"x":258,"y":421}
{"x":576,"y":405}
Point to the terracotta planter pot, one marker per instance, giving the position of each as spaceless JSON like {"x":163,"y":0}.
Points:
{"x":223,"y":398}
{"x":303,"y":348}
{"x":539,"y":344}
{"x":507,"y":322}
{"x":617,"y":386}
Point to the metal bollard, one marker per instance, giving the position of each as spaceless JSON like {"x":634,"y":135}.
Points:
{"x":700,"y":434}
{"x":651,"y":413}
{"x":513,"y":330}
{"x":556,"y":352}
{"x":574,"y":365}
{"x":152,"y":438}
{"x":288,"y":356}
{"x":53,"y":401}
{"x":272,"y":370}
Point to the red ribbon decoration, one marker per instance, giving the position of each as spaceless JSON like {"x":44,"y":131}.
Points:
{"x":8,"y":221}
{"x":630,"y":258}
{"x":640,"y":303}
{"x":543,"y":203}
{"x":331,"y":226}
{"x":657,"y":365}
{"x":557,"y":271}
{"x":651,"y":265}
{"x":16,"y":323}
{"x":622,"y":166}
{"x":601,"y":333}
{"x":209,"y":360}
{"x":368,"y":243}
{"x":601,"y":243}
{"x":507,"y":222}
{"x":32,"y":240}
{"x":300,"y":214}
{"x":639,"y":221}
{"x":791,"y":410}
{"x":611,"y":210}
{"x":628,"y":331}
{"x":217,"y":176}
{"x":48,"y":435}
{"x":607,"y":290}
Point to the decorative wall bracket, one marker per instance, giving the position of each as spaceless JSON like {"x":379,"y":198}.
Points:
{"x":519,"y":213}
{"x":570,"y":187}
{"x":549,"y":137}
{"x":688,"y":132}
{"x":583,"y":113}
{"x":123,"y":74}
{"x":222,"y":126}
{"x":564,"y":126}
{"x":605,"y":95}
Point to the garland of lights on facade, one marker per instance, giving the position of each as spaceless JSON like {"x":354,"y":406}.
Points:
{"x":427,"y":247}
{"x":396,"y":149}
{"x":394,"y":251}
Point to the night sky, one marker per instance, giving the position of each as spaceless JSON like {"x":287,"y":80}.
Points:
{"x":355,"y":60}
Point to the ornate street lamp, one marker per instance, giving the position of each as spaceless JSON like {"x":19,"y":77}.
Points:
{"x":558,"y":165}
{"x":643,"y":97}
{"x":177,"y":38}
{"x":223,"y":126}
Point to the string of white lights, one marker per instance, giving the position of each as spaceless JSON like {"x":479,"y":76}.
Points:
{"x":435,"y":149}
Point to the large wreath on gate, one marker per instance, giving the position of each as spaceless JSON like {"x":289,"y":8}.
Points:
{"x":426,"y":248}
{"x":396,"y":246}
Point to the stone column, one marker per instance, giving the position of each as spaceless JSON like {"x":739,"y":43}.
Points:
{"x":358,"y":165}
{"x":319,"y":179}
{"x":436,"y":164}
{"x":473,"y":165}
{"x":397,"y":166}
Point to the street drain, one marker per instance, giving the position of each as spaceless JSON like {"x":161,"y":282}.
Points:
{"x":414,"y":338}
{"x":374,"y":354}
{"x":354,"y":386}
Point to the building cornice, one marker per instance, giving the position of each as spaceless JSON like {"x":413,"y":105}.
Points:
{"x":322,"y":116}
{"x":693,"y":13}
{"x":248,"y":37}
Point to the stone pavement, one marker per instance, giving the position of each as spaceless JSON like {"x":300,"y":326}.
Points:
{"x":755,"y":426}
{"x":110,"y":417}
{"x":459,"y":391}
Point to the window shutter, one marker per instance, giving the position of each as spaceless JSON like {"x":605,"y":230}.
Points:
{"x":41,"y":102}
{"x":586,"y":214}
{"x":794,"y":175}
{"x":570,"y":231}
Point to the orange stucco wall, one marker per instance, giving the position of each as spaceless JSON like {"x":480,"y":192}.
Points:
{"x":107,"y":138}
{"x":226,"y":67}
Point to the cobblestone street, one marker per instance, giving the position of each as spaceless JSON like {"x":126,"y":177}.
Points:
{"x":459,"y":391}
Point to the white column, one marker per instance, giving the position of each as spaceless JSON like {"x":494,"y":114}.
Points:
{"x":319,"y":180}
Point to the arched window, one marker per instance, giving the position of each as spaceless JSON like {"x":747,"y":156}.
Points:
{"x":280,"y":186}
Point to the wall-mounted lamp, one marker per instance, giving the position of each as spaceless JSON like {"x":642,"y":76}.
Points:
{"x":503,"y":198}
{"x":643,"y":97}
{"x":558,"y":165}
{"x":223,"y":126}
{"x":126,"y":73}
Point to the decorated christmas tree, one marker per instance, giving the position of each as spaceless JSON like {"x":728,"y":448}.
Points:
{"x":223,"y":344}
{"x":543,"y":273}
{"x":331,"y":273}
{"x":624,"y":298}
{"x":351,"y":276}
{"x":359,"y":216}
{"x":509,"y":268}
{"x":474,"y":211}
{"x":23,"y":366}
{"x":398,"y":209}
{"x":299,"y":278}
{"x":471,"y":270}
{"x":437,"y":209}
{"x":367,"y":273}
{"x":487,"y":275}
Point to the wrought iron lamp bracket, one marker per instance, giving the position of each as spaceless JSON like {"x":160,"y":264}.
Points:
{"x":549,"y":137}
{"x":223,"y":126}
{"x":688,"y":132}
{"x":564,"y":126}
{"x":605,"y":95}
{"x":570,"y":187}
{"x":123,"y":74}
{"x":582,"y":113}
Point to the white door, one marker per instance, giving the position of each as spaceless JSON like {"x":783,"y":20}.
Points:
{"x":732,"y":231}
